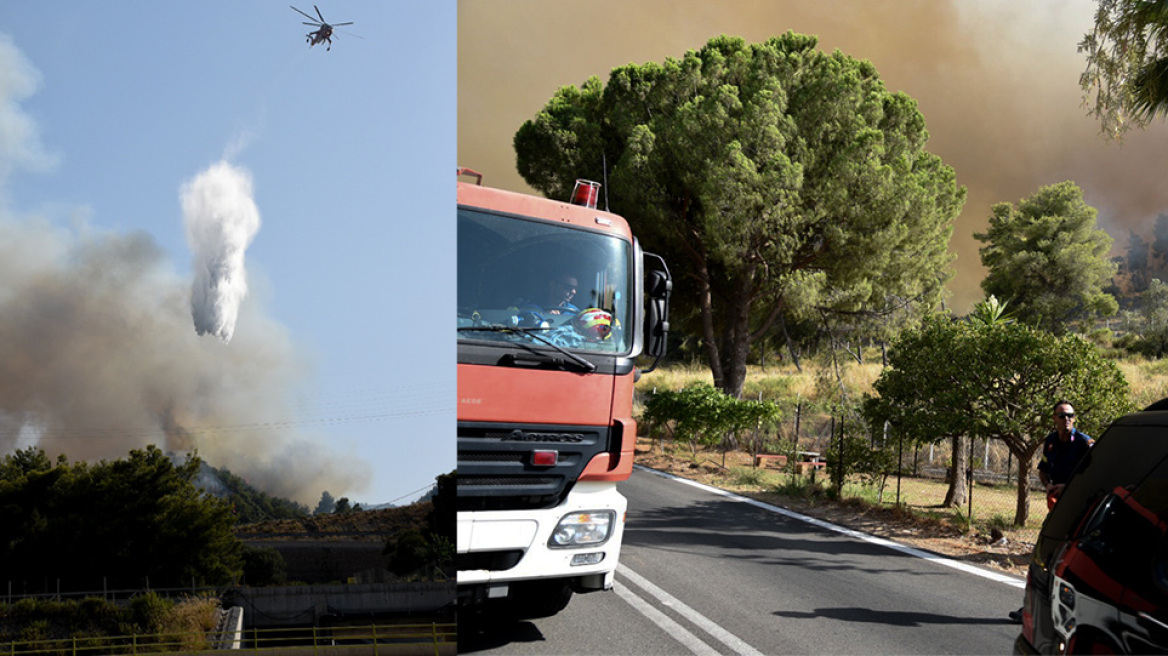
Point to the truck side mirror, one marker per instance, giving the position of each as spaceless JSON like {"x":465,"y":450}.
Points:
{"x":658,"y":288}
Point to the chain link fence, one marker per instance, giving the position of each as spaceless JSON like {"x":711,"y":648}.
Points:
{"x":919,"y":476}
{"x":823,"y":446}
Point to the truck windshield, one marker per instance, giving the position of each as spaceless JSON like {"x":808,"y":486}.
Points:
{"x":570,"y":286}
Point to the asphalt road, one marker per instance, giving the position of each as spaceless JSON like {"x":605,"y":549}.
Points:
{"x":709,"y":573}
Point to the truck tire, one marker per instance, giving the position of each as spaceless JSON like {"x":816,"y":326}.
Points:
{"x":536,"y":599}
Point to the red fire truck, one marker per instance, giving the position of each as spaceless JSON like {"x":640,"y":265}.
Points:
{"x":556,"y":301}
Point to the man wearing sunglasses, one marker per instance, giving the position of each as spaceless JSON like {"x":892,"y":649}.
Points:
{"x":1061,"y":452}
{"x":561,"y":290}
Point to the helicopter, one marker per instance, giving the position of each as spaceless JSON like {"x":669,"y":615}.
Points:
{"x":323,"y":32}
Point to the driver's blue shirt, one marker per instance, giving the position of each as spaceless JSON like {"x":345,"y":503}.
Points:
{"x":1060,"y":458}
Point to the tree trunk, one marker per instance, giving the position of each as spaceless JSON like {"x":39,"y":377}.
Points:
{"x":956,"y":496}
{"x":736,"y":340}
{"x":734,"y":357}
{"x":790,"y":344}
{"x":709,"y":338}
{"x":1022,"y":508}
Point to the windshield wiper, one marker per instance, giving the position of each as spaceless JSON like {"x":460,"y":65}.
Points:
{"x":533,"y":331}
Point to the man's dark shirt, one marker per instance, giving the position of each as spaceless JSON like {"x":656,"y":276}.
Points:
{"x":1059,"y":458}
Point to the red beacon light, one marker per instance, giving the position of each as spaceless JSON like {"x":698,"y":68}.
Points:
{"x":586,"y":193}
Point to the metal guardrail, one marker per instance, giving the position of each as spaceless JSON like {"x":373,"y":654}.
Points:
{"x":116,"y":595}
{"x":440,"y":639}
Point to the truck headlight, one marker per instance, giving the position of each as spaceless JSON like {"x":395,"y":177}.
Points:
{"x":582,"y":529}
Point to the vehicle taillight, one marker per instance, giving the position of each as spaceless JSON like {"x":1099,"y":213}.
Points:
{"x":586,"y":193}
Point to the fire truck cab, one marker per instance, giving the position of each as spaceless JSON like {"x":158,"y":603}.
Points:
{"x":555,"y":304}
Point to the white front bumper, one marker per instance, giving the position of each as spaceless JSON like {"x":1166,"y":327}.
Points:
{"x":530,"y":530}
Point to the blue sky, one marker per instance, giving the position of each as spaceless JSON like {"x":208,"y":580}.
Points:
{"x":341,"y":371}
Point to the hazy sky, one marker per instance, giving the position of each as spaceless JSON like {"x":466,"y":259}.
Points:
{"x":996,"y":80}
{"x":120,"y":124}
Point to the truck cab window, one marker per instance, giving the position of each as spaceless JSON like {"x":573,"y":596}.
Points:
{"x":573,"y":286}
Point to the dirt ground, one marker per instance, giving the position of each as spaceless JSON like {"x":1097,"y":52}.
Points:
{"x":990,"y":551}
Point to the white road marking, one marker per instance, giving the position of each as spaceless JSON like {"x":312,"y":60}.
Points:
{"x":732,"y":641}
{"x":970,"y":569}
{"x":667,"y":623}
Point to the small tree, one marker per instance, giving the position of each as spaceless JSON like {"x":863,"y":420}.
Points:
{"x":1047,"y":257}
{"x":1152,"y":325}
{"x":997,"y":381}
{"x":326,"y":505}
{"x":263,"y":566}
{"x":922,"y":395}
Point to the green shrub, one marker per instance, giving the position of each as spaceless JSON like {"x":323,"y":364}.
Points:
{"x":1000,"y":522}
{"x":800,"y":487}
{"x":263,"y":566}
{"x":149,"y":611}
{"x":701,"y":415}
{"x":748,"y":477}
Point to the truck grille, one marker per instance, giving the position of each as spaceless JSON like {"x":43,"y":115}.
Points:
{"x":495,"y":468}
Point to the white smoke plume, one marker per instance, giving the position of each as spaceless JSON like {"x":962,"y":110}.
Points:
{"x":221,"y":219}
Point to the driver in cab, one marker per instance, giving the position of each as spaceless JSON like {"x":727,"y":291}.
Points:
{"x":555,"y":298}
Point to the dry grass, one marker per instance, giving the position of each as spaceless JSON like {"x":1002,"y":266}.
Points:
{"x":190,"y":621}
{"x":1148,"y":379}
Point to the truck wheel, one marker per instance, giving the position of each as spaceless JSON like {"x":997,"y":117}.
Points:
{"x":537,"y":599}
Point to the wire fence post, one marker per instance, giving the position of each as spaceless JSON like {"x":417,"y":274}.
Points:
{"x":969,"y":483}
{"x":839,"y":475}
{"x":899,"y":461}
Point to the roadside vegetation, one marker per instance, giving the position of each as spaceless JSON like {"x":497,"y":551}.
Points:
{"x":147,"y":623}
{"x":800,"y":403}
{"x":75,"y":536}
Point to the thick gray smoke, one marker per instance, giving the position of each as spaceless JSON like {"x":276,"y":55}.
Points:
{"x":996,"y":80}
{"x":221,"y":219}
{"x":97,"y":355}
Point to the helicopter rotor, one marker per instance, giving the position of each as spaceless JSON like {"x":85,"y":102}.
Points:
{"x":304,"y":14}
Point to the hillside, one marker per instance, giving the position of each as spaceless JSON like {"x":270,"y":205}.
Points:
{"x":357,"y":526}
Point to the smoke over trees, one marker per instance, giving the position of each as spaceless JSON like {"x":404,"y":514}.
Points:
{"x":97,"y":357}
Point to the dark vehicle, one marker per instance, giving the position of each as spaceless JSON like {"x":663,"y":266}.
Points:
{"x":1098,"y":581}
